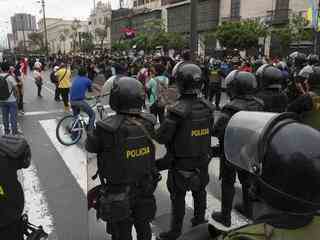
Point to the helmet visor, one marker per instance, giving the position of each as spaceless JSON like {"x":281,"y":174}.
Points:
{"x":246,"y":137}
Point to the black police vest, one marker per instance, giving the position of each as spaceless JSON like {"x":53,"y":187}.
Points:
{"x":193,"y":136}
{"x":274,"y":100}
{"x":129,"y":154}
{"x":11,"y":193}
{"x":248,"y":103}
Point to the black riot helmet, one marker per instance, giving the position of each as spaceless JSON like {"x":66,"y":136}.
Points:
{"x":257,"y":63}
{"x":313,"y":59}
{"x":282,"y":66}
{"x":240,"y":83}
{"x":283,"y":156}
{"x":188,"y":78}
{"x":268,"y":75}
{"x":310,"y":73}
{"x":299,"y":59}
{"x":127,"y":95}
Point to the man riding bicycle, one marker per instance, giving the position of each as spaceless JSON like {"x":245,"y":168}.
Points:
{"x":80,"y":85}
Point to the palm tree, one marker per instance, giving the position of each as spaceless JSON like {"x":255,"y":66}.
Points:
{"x":75,"y":27}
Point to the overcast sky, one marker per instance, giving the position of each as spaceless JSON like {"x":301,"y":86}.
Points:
{"x":68,"y":9}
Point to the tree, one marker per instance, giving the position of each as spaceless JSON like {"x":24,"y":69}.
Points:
{"x":87,"y":44}
{"x":64,"y":35}
{"x":36,"y":40}
{"x":176,"y":41}
{"x":242,"y":35}
{"x":74,"y":35}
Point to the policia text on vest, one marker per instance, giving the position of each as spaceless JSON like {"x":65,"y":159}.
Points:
{"x":200,"y":132}
{"x":139,"y":152}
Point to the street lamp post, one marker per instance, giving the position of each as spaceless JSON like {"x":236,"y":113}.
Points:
{"x":43,"y":4}
{"x":194,"y":28}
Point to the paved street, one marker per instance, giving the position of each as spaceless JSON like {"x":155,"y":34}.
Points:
{"x":57,"y":182}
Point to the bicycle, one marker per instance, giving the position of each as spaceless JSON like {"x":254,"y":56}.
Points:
{"x":70,"y":128}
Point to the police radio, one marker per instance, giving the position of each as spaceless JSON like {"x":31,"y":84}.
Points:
{"x":31,"y":231}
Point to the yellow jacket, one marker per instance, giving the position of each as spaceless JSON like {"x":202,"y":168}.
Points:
{"x":64,"y":78}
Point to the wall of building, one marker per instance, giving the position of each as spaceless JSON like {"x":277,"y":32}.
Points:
{"x":259,"y":8}
{"x":55,"y":28}
{"x":179,"y":19}
{"x":299,"y":5}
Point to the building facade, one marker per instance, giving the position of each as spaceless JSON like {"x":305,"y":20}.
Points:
{"x":22,"y":25}
{"x":100,"y":18}
{"x":176,"y":16}
{"x":60,"y":34}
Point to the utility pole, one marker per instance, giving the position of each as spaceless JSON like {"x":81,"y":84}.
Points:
{"x":317,"y":40}
{"x":24,"y":35}
{"x":45,"y":27}
{"x":194,"y":28}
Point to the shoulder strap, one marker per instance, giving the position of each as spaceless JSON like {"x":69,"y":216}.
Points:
{"x":63,"y":76}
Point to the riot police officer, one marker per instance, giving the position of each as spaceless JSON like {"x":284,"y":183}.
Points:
{"x":297,"y":61}
{"x":282,"y":156}
{"x":215,"y":79}
{"x":313,"y":60}
{"x":270,"y":80}
{"x":15,"y":154}
{"x":308,"y":105}
{"x":126,"y":162}
{"x":186,"y":131}
{"x":241,"y":87}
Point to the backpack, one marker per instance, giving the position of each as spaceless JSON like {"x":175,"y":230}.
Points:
{"x":162,"y":94}
{"x":53,"y":78}
{"x":4,"y":88}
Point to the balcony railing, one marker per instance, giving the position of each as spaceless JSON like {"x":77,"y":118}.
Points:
{"x":278,"y":16}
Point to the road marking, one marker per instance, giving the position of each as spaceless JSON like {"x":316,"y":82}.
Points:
{"x":74,"y":157}
{"x":36,"y":203}
{"x":42,"y":112}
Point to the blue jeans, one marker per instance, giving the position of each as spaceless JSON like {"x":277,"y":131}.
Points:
{"x":84,"y":106}
{"x":9,"y":113}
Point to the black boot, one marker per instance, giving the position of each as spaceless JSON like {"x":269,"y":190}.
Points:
{"x":224,"y":217}
{"x":195,"y":221}
{"x":174,"y":232}
{"x":200,"y":206}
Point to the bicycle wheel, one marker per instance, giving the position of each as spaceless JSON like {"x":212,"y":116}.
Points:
{"x":69,"y":130}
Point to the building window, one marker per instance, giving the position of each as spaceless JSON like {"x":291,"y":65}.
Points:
{"x":135,"y":3}
{"x":235,"y":8}
{"x":140,"y":2}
